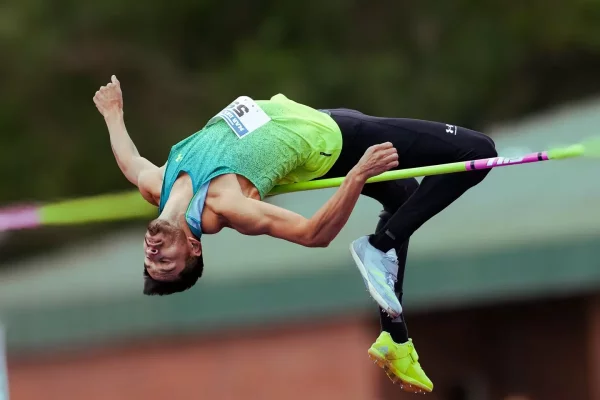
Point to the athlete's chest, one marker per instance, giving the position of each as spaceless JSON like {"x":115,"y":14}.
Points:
{"x":211,"y":222}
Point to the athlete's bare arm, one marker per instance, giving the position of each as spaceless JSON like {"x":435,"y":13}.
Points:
{"x":253,"y":217}
{"x":138,"y":170}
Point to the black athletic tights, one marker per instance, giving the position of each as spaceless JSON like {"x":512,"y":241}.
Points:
{"x":406,"y":204}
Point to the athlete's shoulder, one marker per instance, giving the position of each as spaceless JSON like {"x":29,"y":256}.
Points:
{"x":281,"y":98}
{"x":288,"y":104}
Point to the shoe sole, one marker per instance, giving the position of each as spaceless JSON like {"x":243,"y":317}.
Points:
{"x":407,"y":384}
{"x":363,"y":271}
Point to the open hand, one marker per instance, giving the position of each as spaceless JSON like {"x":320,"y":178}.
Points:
{"x":109,"y":99}
{"x":377,"y":160}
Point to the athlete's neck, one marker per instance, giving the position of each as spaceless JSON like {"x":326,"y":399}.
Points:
{"x":178,"y":201}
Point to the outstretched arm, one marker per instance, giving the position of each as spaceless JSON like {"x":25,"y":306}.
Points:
{"x":252,"y":217}
{"x":138,"y":170}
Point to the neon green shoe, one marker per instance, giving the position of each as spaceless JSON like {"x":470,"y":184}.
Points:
{"x":401,"y":364}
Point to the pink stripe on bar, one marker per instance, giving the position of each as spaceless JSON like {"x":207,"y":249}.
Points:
{"x":19,"y":218}
{"x":488,"y":163}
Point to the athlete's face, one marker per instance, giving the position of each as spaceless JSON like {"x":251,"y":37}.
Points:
{"x":166,"y":249}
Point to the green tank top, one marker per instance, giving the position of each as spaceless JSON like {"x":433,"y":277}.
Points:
{"x":298,"y":144}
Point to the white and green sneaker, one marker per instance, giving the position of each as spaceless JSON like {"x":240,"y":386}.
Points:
{"x":379,"y":271}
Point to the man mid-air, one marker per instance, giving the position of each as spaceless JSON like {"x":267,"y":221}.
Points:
{"x":219,"y":176}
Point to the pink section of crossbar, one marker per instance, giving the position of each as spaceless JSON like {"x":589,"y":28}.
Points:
{"x":494,"y":162}
{"x":19,"y":218}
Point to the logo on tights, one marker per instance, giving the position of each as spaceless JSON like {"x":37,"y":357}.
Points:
{"x":451,"y":129}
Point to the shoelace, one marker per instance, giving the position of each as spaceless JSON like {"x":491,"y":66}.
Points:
{"x":392,"y":257}
{"x":390,"y":280}
{"x":389,"y":277}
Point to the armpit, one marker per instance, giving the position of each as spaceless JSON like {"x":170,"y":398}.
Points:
{"x":150,"y":185}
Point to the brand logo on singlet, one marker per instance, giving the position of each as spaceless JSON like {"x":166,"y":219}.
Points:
{"x":244,"y":116}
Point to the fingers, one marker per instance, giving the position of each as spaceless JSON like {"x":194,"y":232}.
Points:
{"x":101,"y":92}
{"x":383,"y":146}
{"x":391,"y":157}
{"x":114,"y":84}
{"x":379,"y":158}
{"x":380,"y":149}
{"x":388,"y":154}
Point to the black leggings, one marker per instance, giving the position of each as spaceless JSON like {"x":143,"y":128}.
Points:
{"x":408,"y":205}
{"x":419,"y":143}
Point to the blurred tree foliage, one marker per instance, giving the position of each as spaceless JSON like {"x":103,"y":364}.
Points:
{"x":465,"y":62}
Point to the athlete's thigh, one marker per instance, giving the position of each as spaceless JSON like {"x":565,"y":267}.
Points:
{"x":418,"y":142}
{"x":359,"y":132}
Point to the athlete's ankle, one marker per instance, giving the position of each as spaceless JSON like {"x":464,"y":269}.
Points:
{"x":381,"y":241}
{"x":395,"y":327}
{"x":399,"y":333}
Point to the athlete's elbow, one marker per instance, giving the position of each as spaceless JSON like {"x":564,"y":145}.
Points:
{"x":309,"y":238}
{"x":318,"y":239}
{"x":311,"y":235}
{"x":306,"y":238}
{"x":319,"y":242}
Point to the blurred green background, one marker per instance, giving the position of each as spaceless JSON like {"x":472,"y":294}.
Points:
{"x":463,"y":62}
{"x":524,"y":72}
{"x":472,"y":63}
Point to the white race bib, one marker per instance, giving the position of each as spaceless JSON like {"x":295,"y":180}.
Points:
{"x":243,"y":116}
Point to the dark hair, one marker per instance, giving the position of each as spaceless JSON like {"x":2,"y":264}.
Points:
{"x":186,"y":279}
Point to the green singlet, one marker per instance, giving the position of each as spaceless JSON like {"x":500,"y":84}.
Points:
{"x":269,"y":142}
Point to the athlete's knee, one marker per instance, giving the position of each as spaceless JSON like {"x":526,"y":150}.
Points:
{"x":483,"y":146}
{"x":409,"y":186}
{"x":397,"y":193}
{"x":412,"y":186}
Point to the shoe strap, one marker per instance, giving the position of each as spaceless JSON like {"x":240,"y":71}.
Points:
{"x":414,"y":355}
